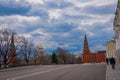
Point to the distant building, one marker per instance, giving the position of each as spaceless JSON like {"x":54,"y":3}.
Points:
{"x":88,"y":57}
{"x":40,"y":55}
{"x":41,"y":51}
{"x":116,"y":28}
{"x":111,"y":49}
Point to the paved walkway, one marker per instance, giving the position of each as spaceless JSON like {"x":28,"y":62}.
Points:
{"x":113,"y":74}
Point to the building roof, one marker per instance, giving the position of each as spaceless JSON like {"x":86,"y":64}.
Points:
{"x":111,"y":41}
{"x":101,"y":51}
{"x":86,"y":49}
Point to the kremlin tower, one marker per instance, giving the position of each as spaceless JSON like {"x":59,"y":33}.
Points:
{"x":86,"y":49}
{"x":12,"y":53}
{"x":88,"y":57}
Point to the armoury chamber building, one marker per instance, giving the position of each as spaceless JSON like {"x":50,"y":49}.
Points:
{"x":116,"y":27}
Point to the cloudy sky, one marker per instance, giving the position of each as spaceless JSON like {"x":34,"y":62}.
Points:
{"x":61,"y":23}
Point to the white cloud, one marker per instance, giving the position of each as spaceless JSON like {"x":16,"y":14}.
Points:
{"x":98,"y":47}
{"x":67,"y":34}
{"x":90,"y":34}
{"x":44,"y":21}
{"x":54,"y":14}
{"x":95,"y":3}
{"x":14,"y":3}
{"x":26,"y":35}
{"x":30,"y":19}
{"x":17,"y":20}
{"x":36,"y":1}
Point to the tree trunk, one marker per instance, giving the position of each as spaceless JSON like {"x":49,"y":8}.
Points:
{"x":5,"y":61}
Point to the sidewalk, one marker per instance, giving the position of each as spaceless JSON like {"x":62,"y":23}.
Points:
{"x":113,"y":74}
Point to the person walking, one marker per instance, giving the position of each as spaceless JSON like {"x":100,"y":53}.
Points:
{"x":0,"y":65}
{"x":112,"y":62}
{"x":107,"y":61}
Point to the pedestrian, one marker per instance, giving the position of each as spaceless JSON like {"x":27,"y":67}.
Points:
{"x":0,"y":65}
{"x":112,"y":62}
{"x":107,"y":61}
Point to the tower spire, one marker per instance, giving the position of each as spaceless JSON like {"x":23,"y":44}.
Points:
{"x":86,"y":49}
{"x":12,"y":53}
{"x":12,"y":45}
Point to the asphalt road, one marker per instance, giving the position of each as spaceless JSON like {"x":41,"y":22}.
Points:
{"x":57,"y":72}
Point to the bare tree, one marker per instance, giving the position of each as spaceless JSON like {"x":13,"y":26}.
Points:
{"x":26,"y":49}
{"x":63,"y":56}
{"x":5,"y":42}
{"x":66,"y":57}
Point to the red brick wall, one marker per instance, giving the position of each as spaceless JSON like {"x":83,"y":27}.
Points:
{"x":98,"y":57}
{"x":88,"y":58}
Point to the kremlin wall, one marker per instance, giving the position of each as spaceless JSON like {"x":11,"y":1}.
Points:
{"x":89,"y":57}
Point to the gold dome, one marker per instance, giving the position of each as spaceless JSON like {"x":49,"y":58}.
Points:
{"x":40,"y":47}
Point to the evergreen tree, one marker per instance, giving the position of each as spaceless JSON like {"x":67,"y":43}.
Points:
{"x":54,"y":58}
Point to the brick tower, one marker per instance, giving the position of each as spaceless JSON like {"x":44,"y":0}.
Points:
{"x":88,"y":57}
{"x":12,"y":53}
{"x":86,"y":49}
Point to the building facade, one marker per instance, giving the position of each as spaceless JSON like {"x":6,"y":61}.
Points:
{"x":40,"y":55}
{"x":88,"y":57}
{"x":41,"y":51}
{"x":111,"y":49}
{"x":116,"y":27}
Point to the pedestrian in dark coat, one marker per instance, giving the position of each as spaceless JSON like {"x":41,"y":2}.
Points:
{"x":0,"y":65}
{"x":107,"y":61}
{"x":112,"y":62}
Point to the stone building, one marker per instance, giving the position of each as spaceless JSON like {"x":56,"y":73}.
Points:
{"x":111,"y":49}
{"x":40,"y":55}
{"x":89,"y":57}
{"x":41,"y":51}
{"x":116,"y":27}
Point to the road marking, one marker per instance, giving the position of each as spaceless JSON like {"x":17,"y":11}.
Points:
{"x":15,"y":68}
{"x":33,"y":74}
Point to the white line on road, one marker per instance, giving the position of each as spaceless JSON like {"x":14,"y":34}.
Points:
{"x":32,"y":74}
{"x":16,"y":68}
